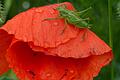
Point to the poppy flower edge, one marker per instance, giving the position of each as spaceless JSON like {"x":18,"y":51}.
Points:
{"x":5,"y":40}
{"x":37,"y":65}
{"x":85,"y":44}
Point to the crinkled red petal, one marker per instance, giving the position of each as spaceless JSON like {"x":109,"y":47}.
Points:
{"x":48,"y":35}
{"x":32,"y":65}
{"x":5,"y":41}
{"x":33,"y":25}
{"x":84,"y":45}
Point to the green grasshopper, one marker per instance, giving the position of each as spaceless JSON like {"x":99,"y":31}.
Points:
{"x":73,"y":17}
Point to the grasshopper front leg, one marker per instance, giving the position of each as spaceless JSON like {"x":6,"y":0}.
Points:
{"x":64,"y":26}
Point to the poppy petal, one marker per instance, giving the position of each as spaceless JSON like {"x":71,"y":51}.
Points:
{"x":33,"y":26}
{"x":29,"y":64}
{"x":85,"y":44}
{"x":5,"y":41}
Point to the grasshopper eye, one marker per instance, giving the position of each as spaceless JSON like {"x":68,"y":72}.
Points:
{"x":64,"y":6}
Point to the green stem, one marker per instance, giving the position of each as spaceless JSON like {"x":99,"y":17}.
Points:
{"x":110,"y":35}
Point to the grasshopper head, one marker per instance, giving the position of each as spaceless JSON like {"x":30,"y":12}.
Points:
{"x":61,"y":7}
{"x":62,"y":10}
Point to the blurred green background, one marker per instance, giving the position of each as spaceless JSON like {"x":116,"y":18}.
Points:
{"x":105,"y":17}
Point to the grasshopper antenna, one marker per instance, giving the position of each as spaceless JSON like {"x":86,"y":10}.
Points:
{"x":85,"y":10}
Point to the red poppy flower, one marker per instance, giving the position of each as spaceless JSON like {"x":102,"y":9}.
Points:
{"x":36,"y":49}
